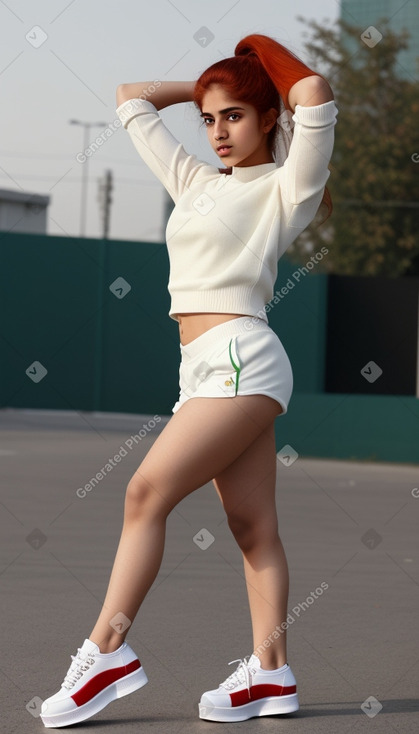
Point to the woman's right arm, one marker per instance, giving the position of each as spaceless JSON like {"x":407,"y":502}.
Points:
{"x":138,"y":110}
{"x":160,"y":94}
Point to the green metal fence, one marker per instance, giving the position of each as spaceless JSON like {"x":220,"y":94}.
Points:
{"x":84,"y":326}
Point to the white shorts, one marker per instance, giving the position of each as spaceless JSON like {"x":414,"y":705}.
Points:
{"x":242,"y":356}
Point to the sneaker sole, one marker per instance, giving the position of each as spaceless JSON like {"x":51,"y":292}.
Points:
{"x":120,"y":688}
{"x":263,"y":707}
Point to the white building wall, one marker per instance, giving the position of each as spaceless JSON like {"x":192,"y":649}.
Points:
{"x":23,"y":212}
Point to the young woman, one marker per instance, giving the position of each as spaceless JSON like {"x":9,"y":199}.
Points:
{"x":271,"y":120}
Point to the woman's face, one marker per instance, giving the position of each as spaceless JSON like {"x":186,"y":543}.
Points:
{"x":236,"y":124}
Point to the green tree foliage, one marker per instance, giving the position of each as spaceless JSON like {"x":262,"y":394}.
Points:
{"x":374,"y":181}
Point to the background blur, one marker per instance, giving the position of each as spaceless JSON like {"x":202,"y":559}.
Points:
{"x":69,"y":68}
{"x":83,"y":283}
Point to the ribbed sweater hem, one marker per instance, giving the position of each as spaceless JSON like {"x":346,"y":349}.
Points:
{"x":218,"y":301}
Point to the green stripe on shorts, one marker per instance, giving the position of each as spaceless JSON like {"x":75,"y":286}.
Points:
{"x":235,"y":366}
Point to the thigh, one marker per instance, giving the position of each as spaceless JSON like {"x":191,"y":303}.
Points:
{"x":247,"y":487}
{"x":200,"y":441}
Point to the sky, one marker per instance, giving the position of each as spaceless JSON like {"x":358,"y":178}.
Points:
{"x":63,"y":59}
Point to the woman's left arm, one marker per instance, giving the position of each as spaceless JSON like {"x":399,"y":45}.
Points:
{"x":304,"y":174}
{"x":309,"y":92}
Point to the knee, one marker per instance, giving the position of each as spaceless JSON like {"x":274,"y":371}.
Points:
{"x":142,"y":499}
{"x":244,"y":530}
{"x":251,"y":532}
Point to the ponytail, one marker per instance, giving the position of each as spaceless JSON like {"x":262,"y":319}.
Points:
{"x":261,"y":73}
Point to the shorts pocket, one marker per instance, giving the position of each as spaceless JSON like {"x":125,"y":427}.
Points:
{"x":215,"y":373}
{"x":222,"y":373}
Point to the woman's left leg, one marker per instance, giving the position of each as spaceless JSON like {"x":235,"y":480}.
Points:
{"x":247,"y":491}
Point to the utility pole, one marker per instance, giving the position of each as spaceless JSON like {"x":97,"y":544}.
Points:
{"x":85,"y":177}
{"x":105,"y":199}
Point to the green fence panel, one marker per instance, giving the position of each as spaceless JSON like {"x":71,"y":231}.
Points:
{"x":84,"y":326}
{"x":299,"y":317}
{"x":347,"y":426}
{"x":50,"y":298}
{"x":140,"y":350}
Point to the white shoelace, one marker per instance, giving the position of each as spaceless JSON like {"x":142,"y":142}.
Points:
{"x":241,"y":675}
{"x":77,"y":668}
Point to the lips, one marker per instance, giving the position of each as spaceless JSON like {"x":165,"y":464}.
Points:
{"x":224,"y":147}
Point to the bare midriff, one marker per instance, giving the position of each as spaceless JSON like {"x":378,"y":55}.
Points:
{"x":192,"y":325}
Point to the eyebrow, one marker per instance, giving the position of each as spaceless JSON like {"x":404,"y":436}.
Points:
{"x":222,"y":112}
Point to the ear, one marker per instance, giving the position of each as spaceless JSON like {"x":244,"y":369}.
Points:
{"x":269,"y":119}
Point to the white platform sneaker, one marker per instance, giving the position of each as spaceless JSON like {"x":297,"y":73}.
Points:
{"x":93,"y":680}
{"x":251,"y":691}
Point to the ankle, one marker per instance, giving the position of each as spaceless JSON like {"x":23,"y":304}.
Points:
{"x":271,"y":663}
{"x":107,"y":644}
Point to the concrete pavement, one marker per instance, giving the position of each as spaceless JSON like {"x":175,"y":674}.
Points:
{"x":350,"y":534}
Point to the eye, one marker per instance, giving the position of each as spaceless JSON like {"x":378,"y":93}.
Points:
{"x":232,"y":114}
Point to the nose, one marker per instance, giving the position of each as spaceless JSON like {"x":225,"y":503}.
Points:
{"x":218,"y":131}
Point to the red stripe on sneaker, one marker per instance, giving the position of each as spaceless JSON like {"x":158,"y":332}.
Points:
{"x":257,"y":692}
{"x":101,"y":681}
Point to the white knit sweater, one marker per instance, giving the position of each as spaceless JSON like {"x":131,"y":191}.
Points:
{"x":227,"y":232}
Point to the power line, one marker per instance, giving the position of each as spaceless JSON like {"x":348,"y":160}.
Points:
{"x":54,"y":157}
{"x":29,"y":177}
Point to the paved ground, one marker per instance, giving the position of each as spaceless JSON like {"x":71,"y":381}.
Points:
{"x":353,"y":526}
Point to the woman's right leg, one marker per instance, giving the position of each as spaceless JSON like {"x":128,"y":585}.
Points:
{"x":202,"y":438}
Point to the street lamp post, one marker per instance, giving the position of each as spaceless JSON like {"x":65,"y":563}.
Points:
{"x":85,"y":177}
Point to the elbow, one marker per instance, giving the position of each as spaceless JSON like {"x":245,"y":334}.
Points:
{"x":319,"y":91}
{"x":310,"y":92}
{"x":121,"y":94}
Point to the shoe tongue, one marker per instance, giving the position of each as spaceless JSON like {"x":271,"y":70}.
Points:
{"x":254,"y":661}
{"x":89,"y":647}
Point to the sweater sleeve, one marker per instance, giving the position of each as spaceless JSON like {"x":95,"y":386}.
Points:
{"x":305,"y":172}
{"x":163,"y":154}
